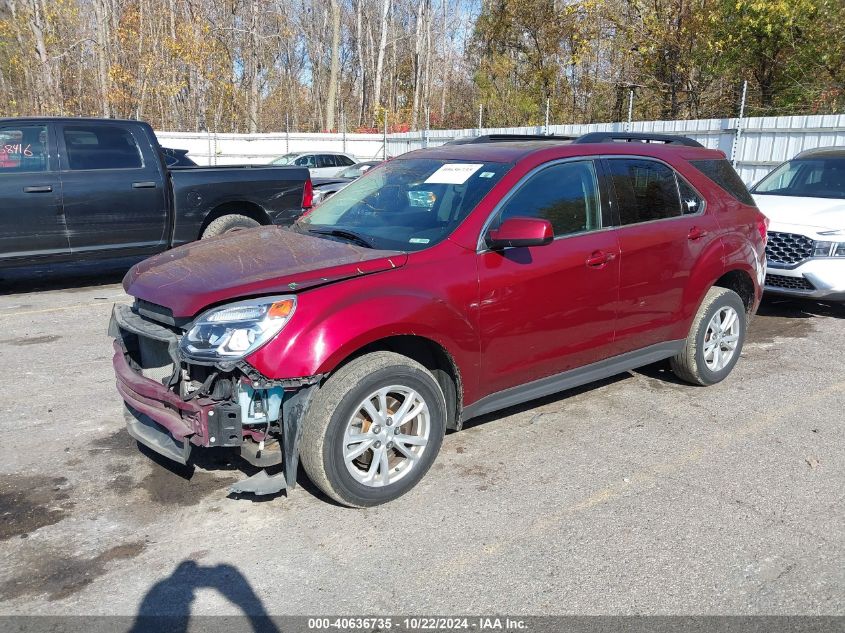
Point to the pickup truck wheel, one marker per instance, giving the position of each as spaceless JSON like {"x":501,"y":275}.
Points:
{"x":229,"y":223}
{"x":715,"y":339}
{"x":373,"y":429}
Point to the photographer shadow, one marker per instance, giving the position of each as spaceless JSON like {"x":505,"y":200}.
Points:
{"x":166,"y":607}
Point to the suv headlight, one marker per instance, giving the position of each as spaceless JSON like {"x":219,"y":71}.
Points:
{"x":829,"y":249}
{"x":232,"y":332}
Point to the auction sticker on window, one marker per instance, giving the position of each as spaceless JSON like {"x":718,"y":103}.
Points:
{"x":454,"y":173}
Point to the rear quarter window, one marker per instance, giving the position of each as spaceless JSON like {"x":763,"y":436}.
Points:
{"x":723,"y":174}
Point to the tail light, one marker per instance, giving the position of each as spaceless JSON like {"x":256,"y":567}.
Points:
{"x":763,"y":227}
{"x":308,"y":195}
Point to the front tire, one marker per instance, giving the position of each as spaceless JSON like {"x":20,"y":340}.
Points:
{"x":715,"y":339}
{"x":373,"y":429}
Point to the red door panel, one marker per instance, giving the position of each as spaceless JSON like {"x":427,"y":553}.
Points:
{"x":546,"y":309}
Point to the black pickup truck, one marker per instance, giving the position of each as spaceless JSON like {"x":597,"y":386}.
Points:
{"x":82,"y":189}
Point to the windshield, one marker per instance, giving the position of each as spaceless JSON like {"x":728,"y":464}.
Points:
{"x":806,"y":177}
{"x":355,"y":171}
{"x":287,"y":159}
{"x":406,"y":204}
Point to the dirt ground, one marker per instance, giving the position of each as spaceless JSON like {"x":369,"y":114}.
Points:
{"x":635,"y":495}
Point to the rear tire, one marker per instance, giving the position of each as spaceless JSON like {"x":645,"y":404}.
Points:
{"x":352,"y":446}
{"x":229,"y":223}
{"x":715,"y":339}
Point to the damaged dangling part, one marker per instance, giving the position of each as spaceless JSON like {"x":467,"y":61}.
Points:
{"x":261,"y":483}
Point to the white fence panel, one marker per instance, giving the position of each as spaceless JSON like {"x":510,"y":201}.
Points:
{"x":257,"y":149}
{"x":763,"y":143}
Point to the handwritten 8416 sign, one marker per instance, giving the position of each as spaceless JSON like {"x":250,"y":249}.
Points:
{"x":18,"y":148}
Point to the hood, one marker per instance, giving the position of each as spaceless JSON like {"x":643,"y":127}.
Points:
{"x":261,"y":261}
{"x":812,"y":213}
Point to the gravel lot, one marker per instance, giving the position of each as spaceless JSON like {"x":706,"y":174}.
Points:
{"x":634,"y":495}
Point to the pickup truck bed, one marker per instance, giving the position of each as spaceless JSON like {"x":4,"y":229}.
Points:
{"x":96,"y":189}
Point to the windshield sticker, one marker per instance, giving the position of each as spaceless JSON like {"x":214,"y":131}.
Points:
{"x":453,"y":173}
{"x":486,"y":174}
{"x":419,"y":240}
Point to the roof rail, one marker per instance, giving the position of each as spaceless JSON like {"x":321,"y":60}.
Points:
{"x":505,"y":138}
{"x":641,"y":137}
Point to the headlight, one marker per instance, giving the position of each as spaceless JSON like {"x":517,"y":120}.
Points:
{"x":829,"y":249}
{"x":234,"y":331}
{"x":822,"y":249}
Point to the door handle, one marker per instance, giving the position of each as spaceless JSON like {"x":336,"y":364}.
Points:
{"x":146,"y":184}
{"x":38,"y":189}
{"x":696,"y":233}
{"x":598,"y":259}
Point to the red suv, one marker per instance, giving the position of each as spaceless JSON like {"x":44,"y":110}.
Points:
{"x":444,"y":284}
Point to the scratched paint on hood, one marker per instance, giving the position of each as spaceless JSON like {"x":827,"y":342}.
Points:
{"x":260,"y":261}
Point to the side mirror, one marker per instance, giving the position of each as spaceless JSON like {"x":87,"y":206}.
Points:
{"x":521,"y":232}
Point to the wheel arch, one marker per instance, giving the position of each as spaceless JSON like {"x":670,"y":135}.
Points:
{"x":233,"y":207}
{"x":741,"y":282}
{"x":431,"y":355}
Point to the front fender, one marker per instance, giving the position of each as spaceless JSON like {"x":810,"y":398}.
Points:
{"x":327,"y":329}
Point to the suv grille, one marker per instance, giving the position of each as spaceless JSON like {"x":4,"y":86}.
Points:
{"x":790,"y":283}
{"x":788,"y":248}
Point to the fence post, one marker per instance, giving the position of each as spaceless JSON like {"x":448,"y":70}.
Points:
{"x":287,"y":133}
{"x":384,"y":151}
{"x":480,"y":113}
{"x":630,"y":110}
{"x":735,"y":148}
{"x":546,"y":127}
{"x":343,"y":125}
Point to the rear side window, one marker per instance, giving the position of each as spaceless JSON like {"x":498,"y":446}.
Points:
{"x":344,"y":161}
{"x":23,"y":148}
{"x":723,"y":174}
{"x":565,"y":194}
{"x":326,"y":160}
{"x":101,"y":147}
{"x":645,"y":190}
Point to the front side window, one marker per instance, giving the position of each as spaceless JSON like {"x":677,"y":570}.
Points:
{"x":101,"y":147}
{"x":565,"y":194}
{"x":806,"y":177}
{"x":306,"y":161}
{"x":23,"y":148}
{"x":645,"y":190}
{"x":405,"y":204}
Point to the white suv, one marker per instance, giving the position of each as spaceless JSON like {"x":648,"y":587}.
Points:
{"x":804,"y":199}
{"x":319,"y":164}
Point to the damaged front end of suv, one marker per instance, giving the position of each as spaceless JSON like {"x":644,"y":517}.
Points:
{"x":186,"y":386}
